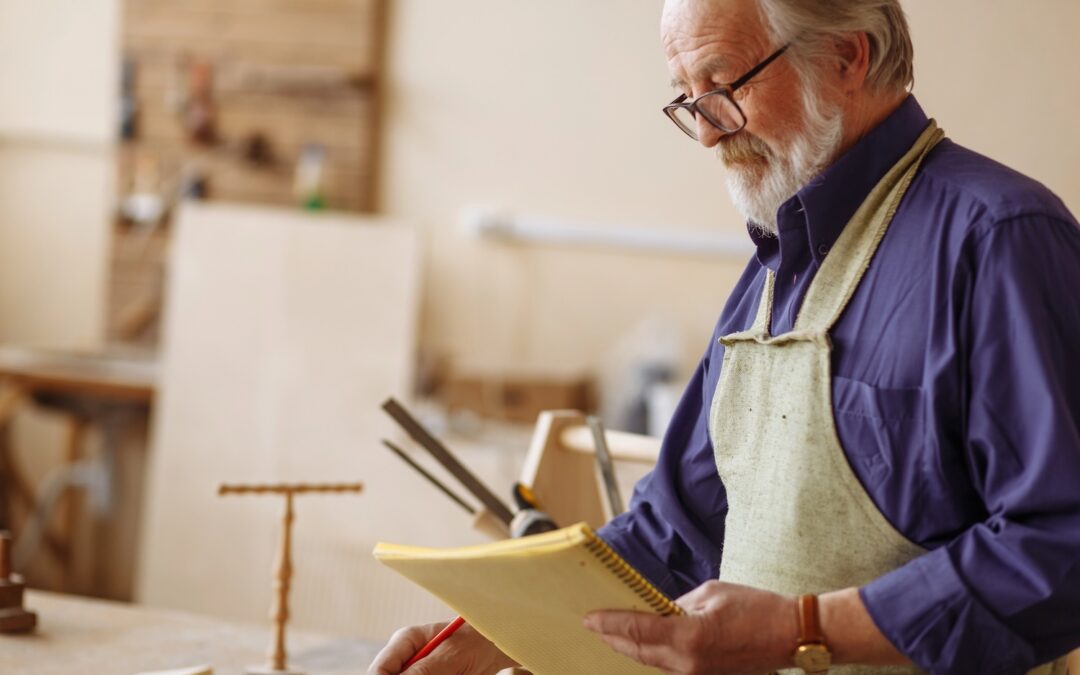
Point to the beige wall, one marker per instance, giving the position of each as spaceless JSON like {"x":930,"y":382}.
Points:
{"x":58,"y":88}
{"x":53,"y":243}
{"x":548,"y":108}
{"x":553,"y":108}
{"x":1000,"y":78}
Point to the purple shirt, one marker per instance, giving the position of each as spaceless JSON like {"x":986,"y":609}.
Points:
{"x":956,"y":394}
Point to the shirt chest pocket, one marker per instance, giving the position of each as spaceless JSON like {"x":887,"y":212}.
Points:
{"x":882,"y":430}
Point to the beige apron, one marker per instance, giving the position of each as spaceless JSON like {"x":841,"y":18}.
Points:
{"x":799,"y":520}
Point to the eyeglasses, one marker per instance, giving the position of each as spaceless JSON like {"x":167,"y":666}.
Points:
{"x":717,"y":107}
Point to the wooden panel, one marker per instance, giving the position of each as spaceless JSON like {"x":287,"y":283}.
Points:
{"x":339,"y":35}
{"x":283,"y":334}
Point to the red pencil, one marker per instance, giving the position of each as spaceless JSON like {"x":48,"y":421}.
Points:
{"x":435,"y":641}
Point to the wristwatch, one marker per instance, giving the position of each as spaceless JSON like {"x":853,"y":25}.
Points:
{"x":811,"y":652}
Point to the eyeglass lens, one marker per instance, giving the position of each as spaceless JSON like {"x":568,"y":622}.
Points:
{"x":719,"y":110}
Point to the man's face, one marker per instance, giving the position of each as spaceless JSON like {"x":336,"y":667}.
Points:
{"x":790,"y":134}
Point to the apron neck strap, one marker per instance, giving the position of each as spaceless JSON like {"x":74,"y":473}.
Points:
{"x":844,"y":267}
{"x":764,"y":312}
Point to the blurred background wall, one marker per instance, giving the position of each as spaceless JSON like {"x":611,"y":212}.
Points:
{"x":57,"y":127}
{"x":548,"y":108}
{"x":554,"y":108}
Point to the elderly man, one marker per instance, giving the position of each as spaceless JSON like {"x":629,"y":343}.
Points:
{"x":879,"y":455}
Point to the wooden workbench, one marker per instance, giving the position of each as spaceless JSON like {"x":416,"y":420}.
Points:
{"x":80,"y":635}
{"x":125,"y":377}
{"x":110,"y":392}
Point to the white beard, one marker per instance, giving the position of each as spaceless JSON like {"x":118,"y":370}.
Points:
{"x":758,"y":194}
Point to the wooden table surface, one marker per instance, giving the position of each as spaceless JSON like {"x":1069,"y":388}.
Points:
{"x":108,"y":375}
{"x":97,"y":637}
{"x":91,"y":637}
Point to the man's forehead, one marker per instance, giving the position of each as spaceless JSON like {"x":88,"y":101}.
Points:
{"x":706,"y":37}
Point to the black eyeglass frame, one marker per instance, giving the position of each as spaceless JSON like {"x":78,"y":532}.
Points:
{"x":726,"y":91}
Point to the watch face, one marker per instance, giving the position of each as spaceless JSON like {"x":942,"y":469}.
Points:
{"x":813,"y":658}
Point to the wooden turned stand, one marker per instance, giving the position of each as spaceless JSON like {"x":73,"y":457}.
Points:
{"x":14,"y":618}
{"x":279,"y":610}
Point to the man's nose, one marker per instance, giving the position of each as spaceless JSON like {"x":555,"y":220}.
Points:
{"x":708,"y":135}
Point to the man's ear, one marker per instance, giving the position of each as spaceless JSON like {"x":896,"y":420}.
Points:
{"x":852,"y":60}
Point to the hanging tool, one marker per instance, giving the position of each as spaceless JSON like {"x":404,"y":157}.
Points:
{"x":496,"y":506}
{"x":607,"y":468}
{"x":434,"y":481}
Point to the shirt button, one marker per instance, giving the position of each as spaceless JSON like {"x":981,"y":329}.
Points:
{"x":823,"y":249}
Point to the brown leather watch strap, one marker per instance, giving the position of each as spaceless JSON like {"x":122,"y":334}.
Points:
{"x":809,"y":622}
{"x":811,"y":654}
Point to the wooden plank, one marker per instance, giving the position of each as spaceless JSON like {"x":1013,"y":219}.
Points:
{"x":105,"y":376}
{"x":142,"y":47}
{"x":624,"y":446}
{"x":284,"y":333}
{"x":158,"y":72}
{"x":367,"y":8}
{"x":565,"y":482}
{"x":347,"y":187}
{"x":345,"y":190}
{"x":343,"y":133}
{"x":265,"y":5}
{"x":226,"y":29}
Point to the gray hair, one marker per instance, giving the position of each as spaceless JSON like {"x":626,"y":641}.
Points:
{"x":811,"y":26}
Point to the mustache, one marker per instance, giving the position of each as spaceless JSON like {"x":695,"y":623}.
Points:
{"x":743,"y":147}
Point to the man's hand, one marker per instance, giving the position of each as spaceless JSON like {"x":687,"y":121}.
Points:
{"x":731,"y":629}
{"x":466,"y":652}
{"x":727,"y":629}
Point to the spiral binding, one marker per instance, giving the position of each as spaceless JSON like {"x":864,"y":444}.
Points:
{"x":652,"y":596}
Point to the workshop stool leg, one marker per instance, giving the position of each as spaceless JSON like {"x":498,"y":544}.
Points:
{"x":69,"y":517}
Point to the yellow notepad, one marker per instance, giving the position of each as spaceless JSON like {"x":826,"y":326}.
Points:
{"x":529,"y":595}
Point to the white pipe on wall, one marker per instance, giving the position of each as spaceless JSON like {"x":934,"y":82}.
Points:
{"x":531,"y":229}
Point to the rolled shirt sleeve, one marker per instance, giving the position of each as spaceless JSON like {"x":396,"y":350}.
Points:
{"x":1002,"y":596}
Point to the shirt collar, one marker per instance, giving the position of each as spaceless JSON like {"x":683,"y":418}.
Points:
{"x":826,"y":204}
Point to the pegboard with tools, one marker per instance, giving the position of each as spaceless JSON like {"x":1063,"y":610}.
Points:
{"x":241,"y":101}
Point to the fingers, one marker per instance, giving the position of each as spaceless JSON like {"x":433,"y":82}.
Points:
{"x":637,"y":626}
{"x":401,"y":647}
{"x":646,"y":638}
{"x":466,"y":652}
{"x":663,"y":657}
